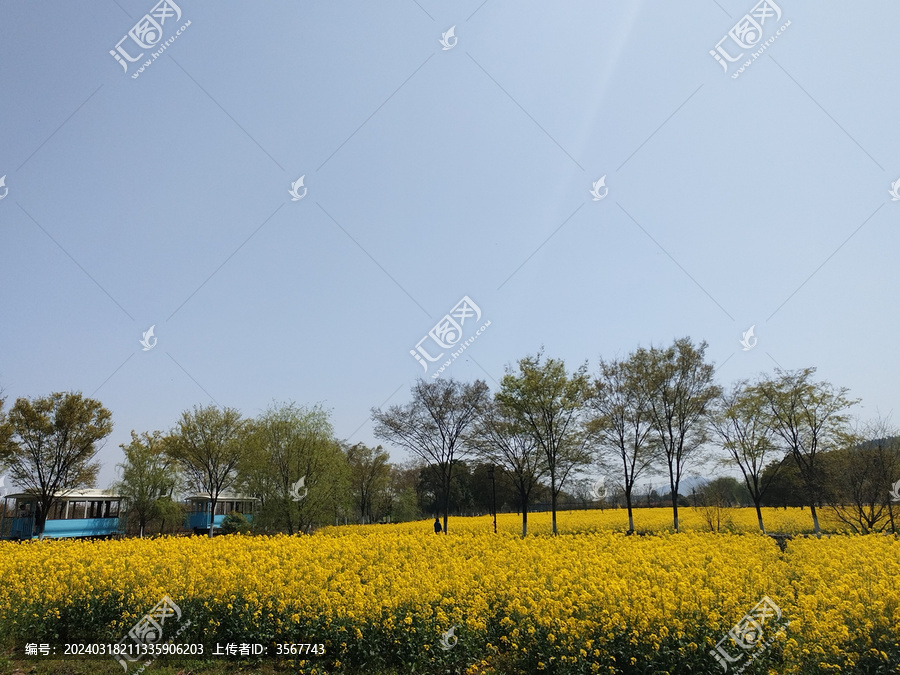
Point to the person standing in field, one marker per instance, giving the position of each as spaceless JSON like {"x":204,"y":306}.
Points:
{"x":437,"y":525}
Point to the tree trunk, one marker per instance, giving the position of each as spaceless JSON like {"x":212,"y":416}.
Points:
{"x":812,"y":509}
{"x":759,"y":517}
{"x":553,"y":500}
{"x":212,"y":516}
{"x":447,"y":495}
{"x":524,"y":517}
{"x":630,"y":516}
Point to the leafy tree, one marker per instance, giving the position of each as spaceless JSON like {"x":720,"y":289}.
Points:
{"x":621,"y":423}
{"x":370,"y":476}
{"x":679,"y":389}
{"x":501,"y":440}
{"x":785,"y":485}
{"x":285,"y":444}
{"x":402,"y":497}
{"x":431,"y":490}
{"x":168,"y":512}
{"x":235,"y":523}
{"x":546,"y":402}
{"x":483,"y":488}
{"x":148,"y":475}
{"x":808,"y":417}
{"x":740,"y":424}
{"x":206,"y":444}
{"x":48,"y":444}
{"x":432,"y":426}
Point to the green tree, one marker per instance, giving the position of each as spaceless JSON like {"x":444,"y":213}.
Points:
{"x":207,"y":445}
{"x":402,"y":494}
{"x":235,"y":523}
{"x":370,"y":475}
{"x":431,"y":490}
{"x":620,"y":422}
{"x":544,"y":400}
{"x":169,"y":513}
{"x":48,"y":444}
{"x":808,"y":417}
{"x":432,"y":426}
{"x":679,"y":389}
{"x":785,"y":485}
{"x":287,"y":445}
{"x":148,"y":475}
{"x":740,"y":424}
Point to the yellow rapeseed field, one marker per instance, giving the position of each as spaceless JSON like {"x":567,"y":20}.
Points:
{"x":381,"y":598}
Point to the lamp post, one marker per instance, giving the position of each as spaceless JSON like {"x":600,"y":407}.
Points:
{"x":494,"y":495}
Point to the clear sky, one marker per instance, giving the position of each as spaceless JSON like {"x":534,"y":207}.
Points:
{"x":432,"y":171}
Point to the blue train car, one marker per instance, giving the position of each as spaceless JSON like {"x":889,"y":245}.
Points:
{"x":75,"y":513}
{"x":199,"y":507}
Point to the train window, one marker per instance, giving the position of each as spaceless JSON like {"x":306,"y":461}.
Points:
{"x":78,"y":510}
{"x":112,"y":509}
{"x":239,"y":507}
{"x":58,"y":510}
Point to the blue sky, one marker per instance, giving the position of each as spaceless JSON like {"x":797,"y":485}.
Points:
{"x":434,"y":174}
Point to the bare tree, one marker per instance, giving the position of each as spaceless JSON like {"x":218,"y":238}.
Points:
{"x":432,"y":425}
{"x":679,"y":390}
{"x":47,"y":446}
{"x":621,"y":425}
{"x":502,"y":441}
{"x":715,"y":498}
{"x":544,"y":400}
{"x":808,"y":417}
{"x":860,"y":477}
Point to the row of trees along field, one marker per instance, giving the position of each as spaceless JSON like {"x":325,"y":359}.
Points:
{"x":658,"y":412}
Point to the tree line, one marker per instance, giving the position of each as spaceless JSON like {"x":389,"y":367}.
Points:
{"x":656,"y":412}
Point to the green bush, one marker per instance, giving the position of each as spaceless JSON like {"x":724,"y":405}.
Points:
{"x":235,"y":523}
